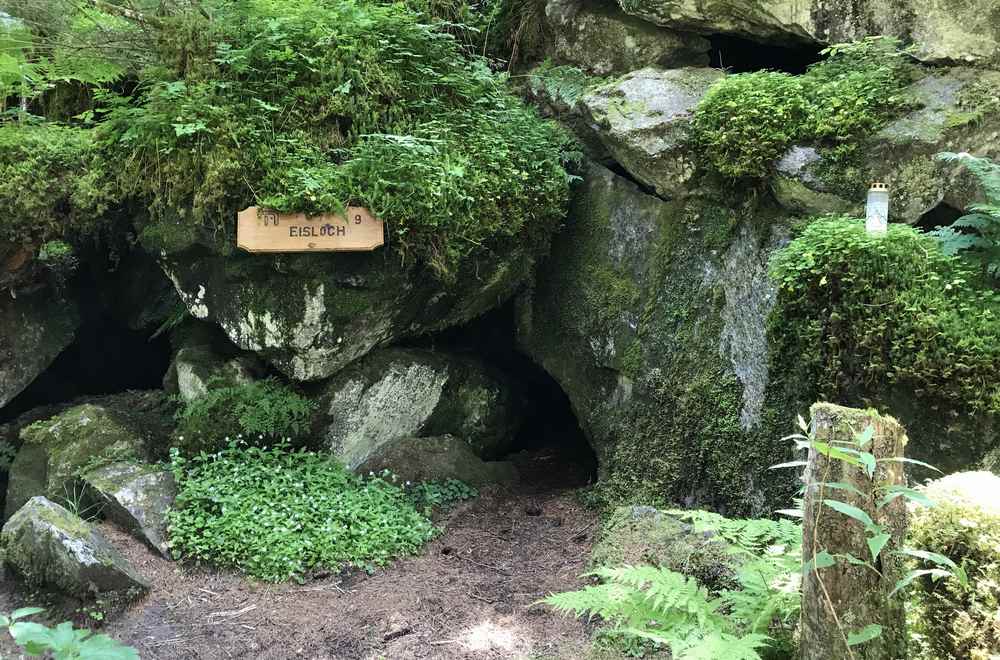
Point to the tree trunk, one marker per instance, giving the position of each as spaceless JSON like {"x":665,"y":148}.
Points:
{"x":845,"y":598}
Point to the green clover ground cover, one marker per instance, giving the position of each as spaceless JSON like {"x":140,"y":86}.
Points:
{"x":276,"y":514}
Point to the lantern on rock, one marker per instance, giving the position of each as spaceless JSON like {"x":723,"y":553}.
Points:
{"x":877,"y":210}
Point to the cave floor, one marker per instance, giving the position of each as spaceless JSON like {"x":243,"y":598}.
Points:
{"x":469,"y":594}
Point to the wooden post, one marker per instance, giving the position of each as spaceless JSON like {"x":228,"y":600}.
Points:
{"x":845,"y":598}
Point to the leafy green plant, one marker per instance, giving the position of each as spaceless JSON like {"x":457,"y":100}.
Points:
{"x":747,"y":121}
{"x":279,"y":514}
{"x":63,"y":642}
{"x":429,"y":495}
{"x":863,"y":313}
{"x":976,"y":235}
{"x":261,"y":412}
{"x":51,"y":185}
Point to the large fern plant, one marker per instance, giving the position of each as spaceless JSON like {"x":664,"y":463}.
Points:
{"x":664,"y":607}
{"x":976,"y":235}
{"x":673,"y":610}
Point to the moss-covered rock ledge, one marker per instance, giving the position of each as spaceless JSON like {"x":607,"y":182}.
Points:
{"x":652,"y":316}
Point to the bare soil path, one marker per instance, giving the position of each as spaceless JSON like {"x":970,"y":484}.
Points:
{"x":470,"y":593}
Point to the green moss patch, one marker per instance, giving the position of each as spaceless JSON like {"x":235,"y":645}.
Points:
{"x":310,"y":107}
{"x":746,"y":122}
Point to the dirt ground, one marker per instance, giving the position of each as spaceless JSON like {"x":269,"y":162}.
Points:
{"x":469,"y":595}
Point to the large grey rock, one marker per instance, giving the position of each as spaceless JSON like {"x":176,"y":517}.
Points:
{"x":310,"y":315}
{"x":55,"y":452}
{"x":50,"y":547}
{"x":652,"y":316}
{"x":398,"y":393}
{"x":602,"y":40}
{"x":136,"y":497}
{"x":197,"y":369}
{"x":797,"y":187}
{"x":204,"y":358}
{"x":642,"y":119}
{"x":34,"y":329}
{"x":942,"y":31}
{"x":436,"y":459}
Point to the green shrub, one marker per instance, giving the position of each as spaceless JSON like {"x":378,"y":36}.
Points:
{"x":429,"y":495}
{"x":260,"y":412}
{"x":51,"y":186}
{"x":747,"y":121}
{"x":278,"y":514}
{"x":959,"y":621}
{"x":861,"y":313}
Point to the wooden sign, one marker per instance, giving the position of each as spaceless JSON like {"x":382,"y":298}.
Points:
{"x":264,"y":230}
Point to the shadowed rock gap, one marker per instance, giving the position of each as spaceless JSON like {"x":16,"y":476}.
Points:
{"x":550,"y":450}
{"x":739,"y":55}
{"x":941,"y":215}
{"x":106,"y":357}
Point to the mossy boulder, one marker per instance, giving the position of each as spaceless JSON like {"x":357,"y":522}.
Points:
{"x":601,"y":40}
{"x":642,"y":119}
{"x":312,"y":314}
{"x":946,"y":115}
{"x":652,"y":315}
{"x":55,"y":452}
{"x":136,"y":497}
{"x":34,"y":329}
{"x":957,"y":621}
{"x":398,"y":393}
{"x":435,"y":459}
{"x":50,"y":547}
{"x":942,"y":31}
{"x":645,"y":535}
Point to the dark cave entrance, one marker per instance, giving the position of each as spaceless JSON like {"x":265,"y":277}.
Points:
{"x":941,"y":215}
{"x":551,"y":451}
{"x":105,"y":357}
{"x":739,"y":55}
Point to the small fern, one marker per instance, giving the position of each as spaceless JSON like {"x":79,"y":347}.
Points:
{"x":751,"y":536}
{"x":675,"y":611}
{"x":976,"y":235}
{"x":664,"y":607}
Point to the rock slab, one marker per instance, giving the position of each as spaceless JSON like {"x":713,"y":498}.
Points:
{"x":136,"y":497}
{"x":50,"y":547}
{"x":436,"y":459}
{"x":398,"y":393}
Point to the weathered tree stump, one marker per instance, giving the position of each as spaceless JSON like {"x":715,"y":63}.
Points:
{"x":845,"y":598}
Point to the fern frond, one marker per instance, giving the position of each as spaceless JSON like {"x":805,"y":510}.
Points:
{"x":608,"y":601}
{"x":752,"y":536}
{"x":725,"y":646}
{"x":952,"y":242}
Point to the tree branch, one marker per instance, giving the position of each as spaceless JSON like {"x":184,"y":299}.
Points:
{"x":124,"y":12}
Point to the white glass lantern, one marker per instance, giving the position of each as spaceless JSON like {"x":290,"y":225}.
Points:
{"x":877,"y":210}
